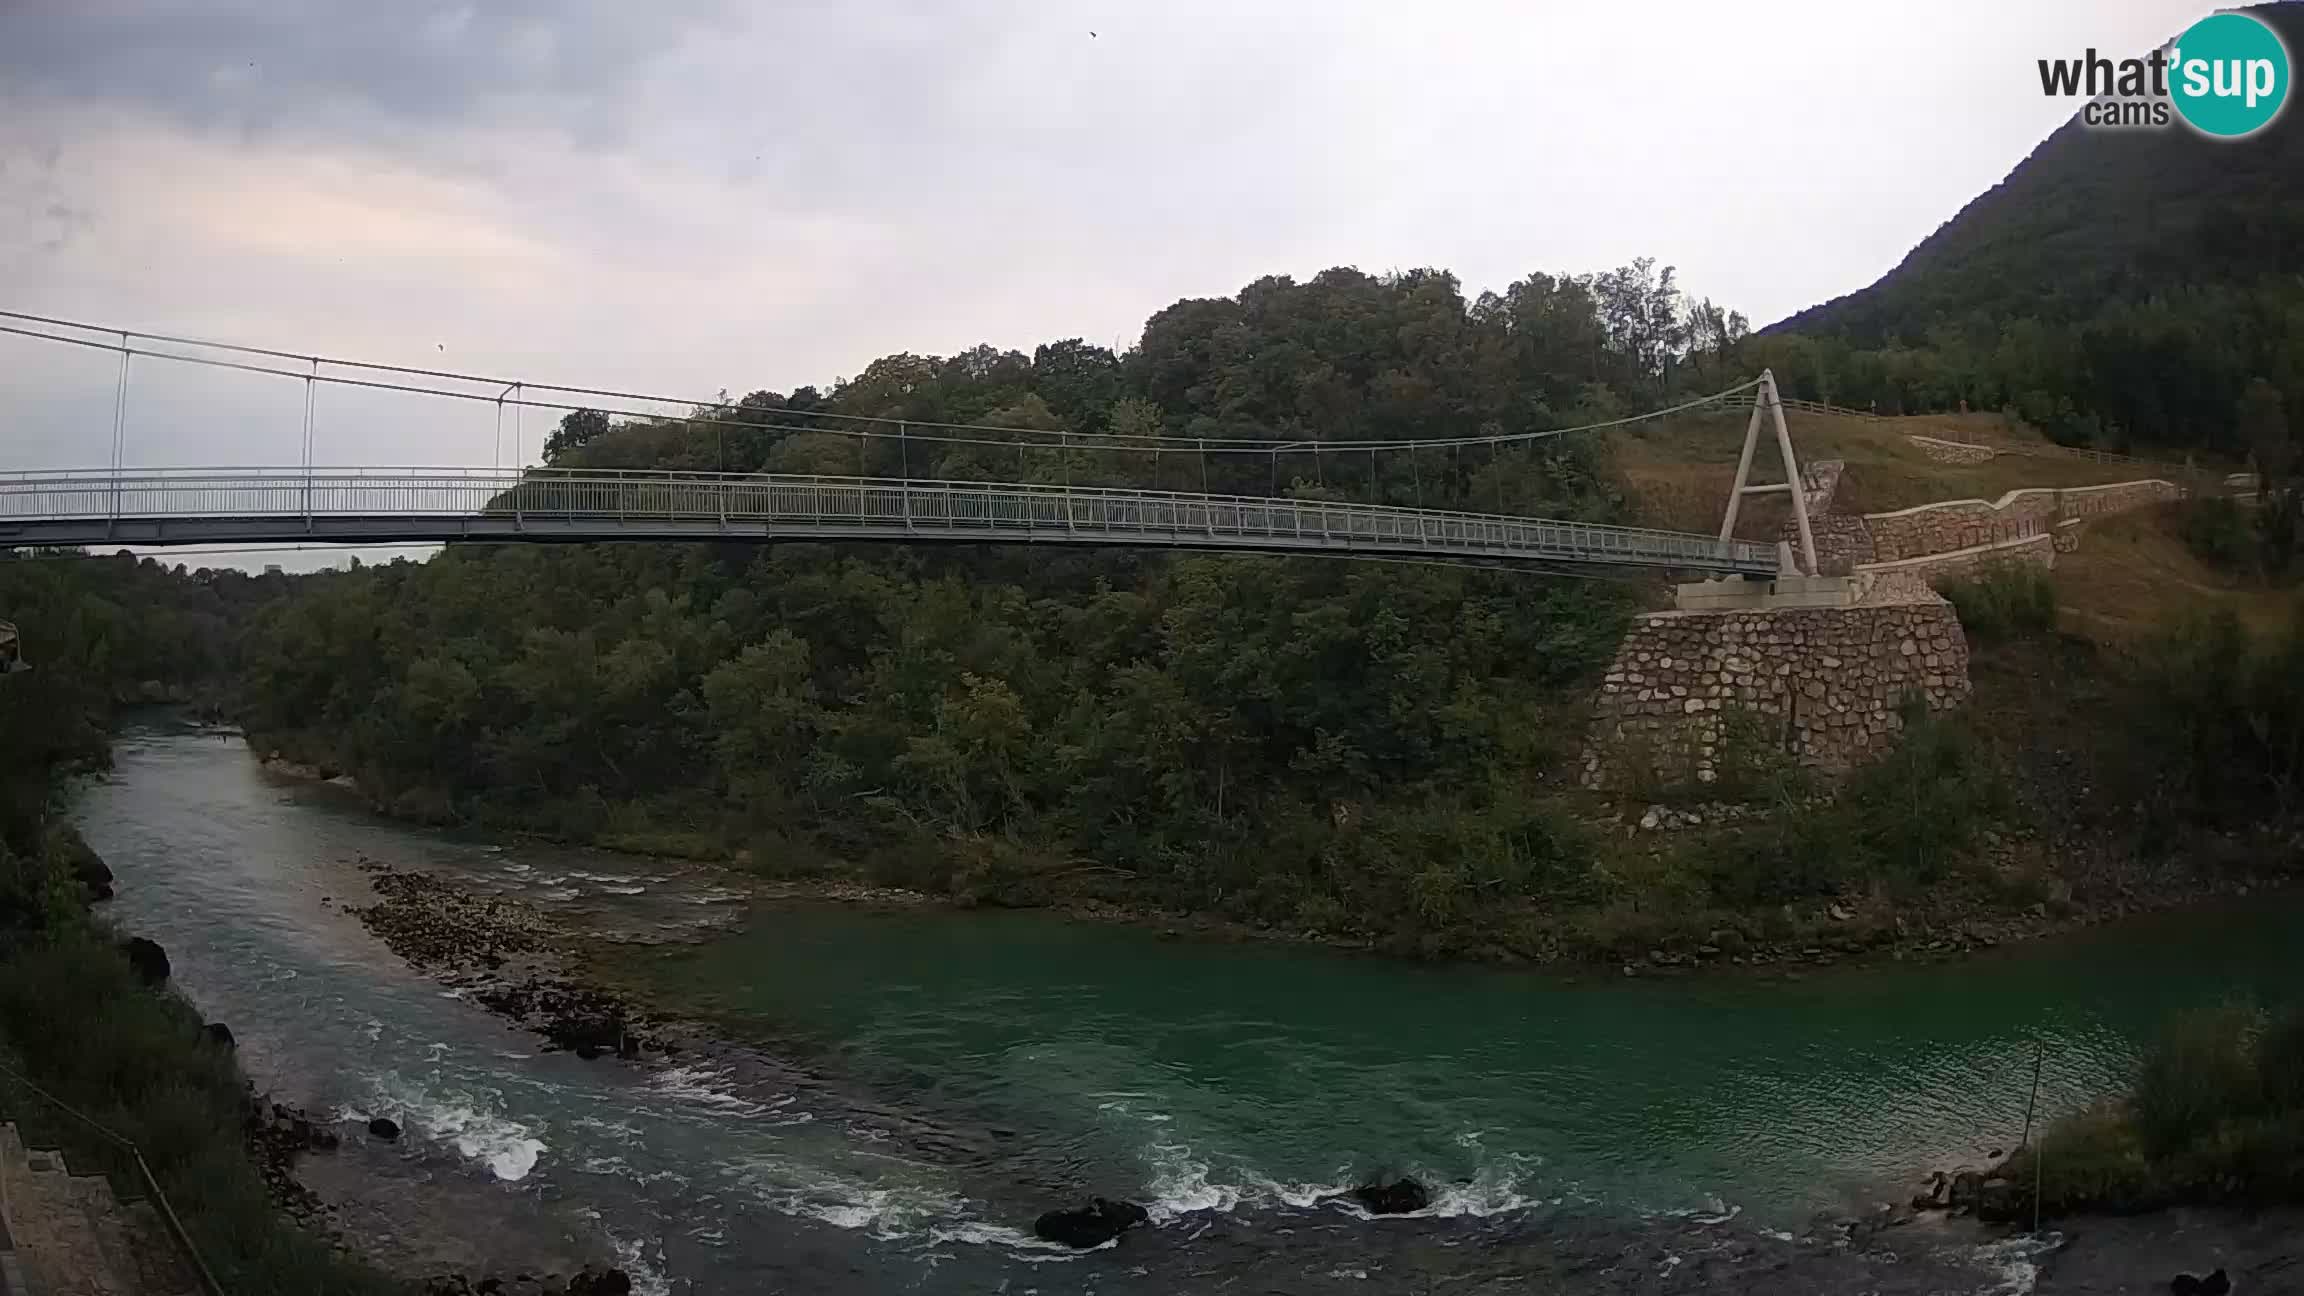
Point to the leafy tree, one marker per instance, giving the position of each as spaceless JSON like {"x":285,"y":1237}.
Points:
{"x":578,"y":428}
{"x":2271,"y":443}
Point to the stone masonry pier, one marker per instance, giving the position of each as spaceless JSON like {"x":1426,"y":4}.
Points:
{"x":1825,"y":684}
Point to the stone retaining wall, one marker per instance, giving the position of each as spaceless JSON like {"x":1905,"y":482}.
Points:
{"x":2037,"y":549}
{"x":1958,"y":524}
{"x":1965,"y":524}
{"x":1953,"y":452}
{"x":1825,"y":683}
{"x":1843,"y":543}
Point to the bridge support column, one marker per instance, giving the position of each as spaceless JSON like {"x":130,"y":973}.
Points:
{"x":1768,"y":405}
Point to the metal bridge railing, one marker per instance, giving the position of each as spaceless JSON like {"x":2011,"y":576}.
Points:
{"x":757,"y":504}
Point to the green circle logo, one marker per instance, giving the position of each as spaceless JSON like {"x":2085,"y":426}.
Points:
{"x":2228,"y":74}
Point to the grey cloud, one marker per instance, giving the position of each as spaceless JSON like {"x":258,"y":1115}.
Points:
{"x":35,"y":215}
{"x":264,"y":65}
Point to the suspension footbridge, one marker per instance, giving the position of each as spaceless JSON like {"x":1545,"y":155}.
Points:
{"x":309,"y":504}
{"x":393,"y":505}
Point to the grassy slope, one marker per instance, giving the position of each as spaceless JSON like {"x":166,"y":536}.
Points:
{"x":1680,"y":471}
{"x":2133,"y":574}
{"x":2129,"y":575}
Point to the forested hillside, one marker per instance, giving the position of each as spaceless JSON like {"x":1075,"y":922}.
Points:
{"x":99,"y":632}
{"x":2120,"y":287}
{"x":1323,"y":743}
{"x":1372,"y":750}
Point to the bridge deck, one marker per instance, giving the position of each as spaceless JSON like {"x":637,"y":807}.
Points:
{"x":356,"y":506}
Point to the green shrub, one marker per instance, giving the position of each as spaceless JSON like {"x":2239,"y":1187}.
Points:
{"x":1788,"y":856}
{"x":2093,"y":1161}
{"x":1920,"y":808}
{"x":1906,"y":819}
{"x":2219,"y":534}
{"x":2202,"y":1073}
{"x":2218,"y":723}
{"x":74,"y":1019}
{"x":2003,"y":601}
{"x":2280,"y":1062}
{"x":2217,"y":1114}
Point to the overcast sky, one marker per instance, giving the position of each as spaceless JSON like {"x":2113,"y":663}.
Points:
{"x":690,"y":195}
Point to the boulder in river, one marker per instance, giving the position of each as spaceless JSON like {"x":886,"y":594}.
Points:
{"x":1400,"y":1197}
{"x":1999,"y":1201}
{"x":384,"y":1129}
{"x":218,"y":1034}
{"x":147,"y":958}
{"x":608,"y":1282}
{"x":1092,"y":1225}
{"x":586,"y":1035}
{"x":87,"y":867}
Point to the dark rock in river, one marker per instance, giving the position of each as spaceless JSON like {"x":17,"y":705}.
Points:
{"x":88,"y":868}
{"x":1092,"y":1225}
{"x":1999,"y":1201}
{"x":149,"y":960}
{"x":612,"y":1282}
{"x":1965,"y":1185}
{"x":218,"y":1034}
{"x":2215,"y":1284}
{"x":384,"y":1129}
{"x":1400,"y":1197}
{"x":585,"y":1035}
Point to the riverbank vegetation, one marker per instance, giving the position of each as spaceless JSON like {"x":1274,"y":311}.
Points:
{"x":2216,"y":1114}
{"x":75,"y":1020}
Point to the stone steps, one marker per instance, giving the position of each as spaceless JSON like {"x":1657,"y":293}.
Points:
{"x":72,"y":1237}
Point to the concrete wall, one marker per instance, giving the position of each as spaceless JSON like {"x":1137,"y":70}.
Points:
{"x":1825,"y":683}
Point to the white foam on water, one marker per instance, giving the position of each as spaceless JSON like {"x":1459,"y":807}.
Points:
{"x":505,"y":1146}
{"x":2016,"y":1261}
{"x":1027,"y":1246}
{"x":623,"y":890}
{"x":647,"y":1276}
{"x":508,"y":1148}
{"x":1180,"y":1185}
{"x":700,"y":1085}
{"x":889,"y":1212}
{"x":1298,"y":1195}
{"x":1494,"y":1190}
{"x":1180,"y":1181}
{"x":886,"y":1213}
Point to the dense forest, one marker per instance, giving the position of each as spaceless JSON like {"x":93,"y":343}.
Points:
{"x":2120,"y":288}
{"x":101,"y":633}
{"x":1369,"y":750}
{"x":1269,"y":738}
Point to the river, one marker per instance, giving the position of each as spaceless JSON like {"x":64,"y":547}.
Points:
{"x":938,"y":1078}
